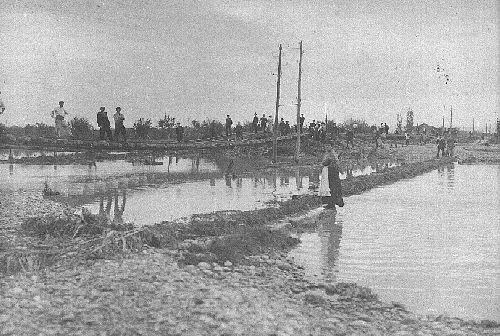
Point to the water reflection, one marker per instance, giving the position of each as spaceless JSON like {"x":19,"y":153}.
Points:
{"x":431,"y":243}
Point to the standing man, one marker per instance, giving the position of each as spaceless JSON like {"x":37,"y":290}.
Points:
{"x":302,"y":119}
{"x":2,"y":105}
{"x":229,"y":124}
{"x":119,"y":127}
{"x":270,"y":128}
{"x":58,"y":114}
{"x":263,"y":123}
{"x":103,"y":123}
{"x":255,"y":123}
{"x":179,"y":132}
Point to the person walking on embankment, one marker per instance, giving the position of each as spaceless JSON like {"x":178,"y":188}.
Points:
{"x":330,"y":188}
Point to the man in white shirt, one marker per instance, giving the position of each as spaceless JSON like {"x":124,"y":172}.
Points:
{"x":58,"y":114}
{"x":119,"y":127}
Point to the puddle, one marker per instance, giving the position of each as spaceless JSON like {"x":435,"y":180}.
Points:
{"x":431,"y":243}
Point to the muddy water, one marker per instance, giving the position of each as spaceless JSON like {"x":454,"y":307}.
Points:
{"x":174,"y":187}
{"x":431,"y":243}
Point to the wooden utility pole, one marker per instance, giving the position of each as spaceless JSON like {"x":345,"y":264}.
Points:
{"x":443,"y":126}
{"x":299,"y":82}
{"x":275,"y":128}
{"x":451,"y":117}
{"x":472,"y":125}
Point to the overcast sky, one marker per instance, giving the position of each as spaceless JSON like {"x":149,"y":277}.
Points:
{"x":198,"y":59}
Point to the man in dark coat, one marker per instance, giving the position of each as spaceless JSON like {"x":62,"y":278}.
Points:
{"x":104,"y":124}
{"x":331,"y":162}
{"x":255,"y":123}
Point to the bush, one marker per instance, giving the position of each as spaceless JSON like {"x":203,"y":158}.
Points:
{"x":81,"y":128}
{"x":39,"y":130}
{"x":142,"y":127}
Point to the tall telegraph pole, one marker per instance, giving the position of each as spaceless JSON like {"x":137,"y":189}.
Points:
{"x":297,"y":151}
{"x":275,"y":128}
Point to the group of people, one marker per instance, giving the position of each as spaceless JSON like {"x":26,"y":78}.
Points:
{"x":105,"y":125}
{"x":445,"y":145}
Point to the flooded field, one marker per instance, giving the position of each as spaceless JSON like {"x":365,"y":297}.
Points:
{"x":431,"y":243}
{"x":132,"y":191}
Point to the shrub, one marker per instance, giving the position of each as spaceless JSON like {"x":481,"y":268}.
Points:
{"x":142,"y":127}
{"x":81,"y":128}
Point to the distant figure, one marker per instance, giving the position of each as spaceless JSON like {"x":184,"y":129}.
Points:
{"x":312,"y":126}
{"x":229,"y":124}
{"x":287,"y":128}
{"x":386,"y":128}
{"x":255,"y":123}
{"x":407,"y":139}
{"x":119,"y":127}
{"x":179,"y":132}
{"x":104,"y":125}
{"x":2,"y":105}
{"x":59,"y":113}
{"x":330,"y":188}
{"x":263,"y":123}
{"x":441,"y":144}
{"x":349,"y":136}
{"x":282,"y":126}
{"x":270,"y":124}
{"x":301,"y":122}
{"x":239,"y":131}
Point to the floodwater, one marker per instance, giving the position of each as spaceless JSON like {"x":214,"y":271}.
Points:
{"x":431,"y":243}
{"x":177,"y":187}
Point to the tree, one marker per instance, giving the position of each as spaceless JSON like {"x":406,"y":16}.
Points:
{"x":81,"y":128}
{"x":399,"y":125}
{"x":167,"y":122}
{"x":409,"y":120}
{"x":142,"y":127}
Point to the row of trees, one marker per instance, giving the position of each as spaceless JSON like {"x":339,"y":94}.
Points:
{"x":81,"y":128}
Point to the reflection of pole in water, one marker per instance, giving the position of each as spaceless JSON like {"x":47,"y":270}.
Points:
{"x":11,"y":169}
{"x":239,"y":183}
{"x":212,"y":182}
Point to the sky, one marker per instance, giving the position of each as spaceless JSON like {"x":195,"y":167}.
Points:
{"x":199,"y":59}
